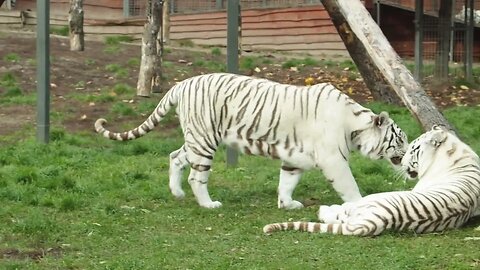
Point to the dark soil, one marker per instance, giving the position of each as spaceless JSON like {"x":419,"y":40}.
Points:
{"x":86,"y":72}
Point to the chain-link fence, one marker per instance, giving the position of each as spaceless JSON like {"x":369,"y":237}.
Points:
{"x":193,"y":6}
{"x":458,"y":51}
{"x":135,"y":7}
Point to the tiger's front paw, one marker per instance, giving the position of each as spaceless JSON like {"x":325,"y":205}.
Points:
{"x":290,"y":204}
{"x":214,"y":204}
{"x":178,"y":193}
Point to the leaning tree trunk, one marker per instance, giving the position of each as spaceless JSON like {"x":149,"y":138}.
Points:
{"x":443,"y":43}
{"x":75,"y":25}
{"x":149,"y":74}
{"x":379,"y":64}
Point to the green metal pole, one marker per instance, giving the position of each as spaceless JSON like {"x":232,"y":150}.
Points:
{"x":126,"y":8}
{"x":418,"y":40}
{"x":43,"y":70}
{"x":233,"y":11}
{"x":470,"y":28}
{"x":219,"y":4}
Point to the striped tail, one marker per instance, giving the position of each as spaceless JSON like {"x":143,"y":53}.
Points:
{"x":148,"y":125}
{"x":312,"y":227}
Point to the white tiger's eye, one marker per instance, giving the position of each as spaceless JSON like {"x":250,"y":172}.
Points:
{"x":396,"y":160}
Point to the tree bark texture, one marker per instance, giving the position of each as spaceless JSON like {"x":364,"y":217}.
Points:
{"x":443,"y":43}
{"x":166,"y":21}
{"x":379,"y":64}
{"x":150,"y":64}
{"x":75,"y":24}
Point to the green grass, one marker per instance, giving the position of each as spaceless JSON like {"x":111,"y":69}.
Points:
{"x":90,"y":62}
{"x":13,"y":94}
{"x":248,"y":63}
{"x":121,"y":90}
{"x":11,"y":57}
{"x":116,"y":40}
{"x":300,"y":62}
{"x":212,"y":66}
{"x":90,"y":203}
{"x":133,"y":62}
{"x":185,"y":43}
{"x":117,"y":70}
{"x":60,"y":30}
{"x":216,"y":51}
{"x":122,"y":109}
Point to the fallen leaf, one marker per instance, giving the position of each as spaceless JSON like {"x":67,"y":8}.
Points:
{"x":464,"y":87}
{"x":309,"y":81}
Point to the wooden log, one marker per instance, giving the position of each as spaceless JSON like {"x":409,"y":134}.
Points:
{"x":381,"y":67}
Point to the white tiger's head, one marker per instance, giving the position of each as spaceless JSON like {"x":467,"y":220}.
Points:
{"x":381,"y":139}
{"x":435,"y":151}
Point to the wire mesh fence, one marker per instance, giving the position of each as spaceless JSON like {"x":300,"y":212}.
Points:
{"x":431,"y":32}
{"x":136,"y":7}
{"x":459,"y":39}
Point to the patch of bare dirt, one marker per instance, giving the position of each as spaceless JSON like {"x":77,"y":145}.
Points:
{"x":34,"y":254}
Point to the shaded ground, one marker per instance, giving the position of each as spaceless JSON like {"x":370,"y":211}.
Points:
{"x":102,"y":66}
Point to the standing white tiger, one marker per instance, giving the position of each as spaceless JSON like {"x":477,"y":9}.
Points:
{"x":446,"y":195}
{"x":305,"y":127}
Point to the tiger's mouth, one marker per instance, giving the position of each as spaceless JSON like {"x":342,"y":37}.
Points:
{"x":396,"y":160}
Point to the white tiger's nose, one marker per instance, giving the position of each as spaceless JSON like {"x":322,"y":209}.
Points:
{"x":412,"y":174}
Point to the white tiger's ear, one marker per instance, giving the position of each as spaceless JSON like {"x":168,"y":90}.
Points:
{"x":438,"y":137}
{"x":382,"y":119}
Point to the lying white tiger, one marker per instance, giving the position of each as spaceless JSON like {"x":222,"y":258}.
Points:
{"x":446,"y":195}
{"x":305,"y":127}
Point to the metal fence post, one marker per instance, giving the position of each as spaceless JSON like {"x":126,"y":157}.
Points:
{"x":43,"y":70}
{"x":233,"y":11}
{"x":469,"y":30}
{"x":418,"y":40}
{"x":126,"y":8}
{"x":172,"y":6}
{"x":219,"y":4}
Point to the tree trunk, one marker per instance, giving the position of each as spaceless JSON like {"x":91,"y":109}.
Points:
{"x":75,"y":24}
{"x":379,"y":64}
{"x":149,"y":74}
{"x":166,"y":21}
{"x":443,"y":43}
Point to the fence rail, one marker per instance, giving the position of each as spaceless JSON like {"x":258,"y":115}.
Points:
{"x":195,"y":6}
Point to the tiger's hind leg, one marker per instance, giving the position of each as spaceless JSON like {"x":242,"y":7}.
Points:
{"x":178,"y":162}
{"x":198,"y":180}
{"x":289,"y":177}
